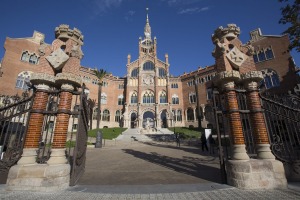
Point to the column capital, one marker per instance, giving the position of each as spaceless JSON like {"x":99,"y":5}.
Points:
{"x":250,"y":79}
{"x":225,"y":77}
{"x":68,"y":78}
{"x":42,"y":81}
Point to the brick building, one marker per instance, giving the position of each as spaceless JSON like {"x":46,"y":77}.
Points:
{"x":148,"y":95}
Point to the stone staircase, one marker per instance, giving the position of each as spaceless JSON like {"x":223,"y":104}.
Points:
{"x":136,"y":135}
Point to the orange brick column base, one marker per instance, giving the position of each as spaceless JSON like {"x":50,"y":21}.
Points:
{"x":61,"y":126}
{"x":236,"y":130}
{"x":35,"y":126}
{"x":259,"y":129}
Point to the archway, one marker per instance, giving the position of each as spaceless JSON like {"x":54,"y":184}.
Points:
{"x":133,"y":121}
{"x":163,"y":117}
{"x":148,"y":119}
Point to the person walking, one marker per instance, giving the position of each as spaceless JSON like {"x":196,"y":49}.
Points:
{"x":177,"y":137}
{"x":204,"y":142}
{"x":212,"y":143}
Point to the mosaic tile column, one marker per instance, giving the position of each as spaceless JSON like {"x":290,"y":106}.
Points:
{"x":259,"y":129}
{"x":35,"y":125}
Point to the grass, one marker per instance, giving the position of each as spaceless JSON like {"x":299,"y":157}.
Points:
{"x":187,"y":133}
{"x":72,"y":144}
{"x":107,"y":133}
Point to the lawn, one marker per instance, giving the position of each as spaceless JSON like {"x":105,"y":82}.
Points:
{"x":187,"y":133}
{"x":107,"y":133}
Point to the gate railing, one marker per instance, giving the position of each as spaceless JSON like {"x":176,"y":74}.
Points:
{"x":13,"y":127}
{"x":282,"y":114}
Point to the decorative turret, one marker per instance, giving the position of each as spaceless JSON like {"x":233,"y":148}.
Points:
{"x":63,"y":31}
{"x":230,"y":32}
{"x":147,"y":29}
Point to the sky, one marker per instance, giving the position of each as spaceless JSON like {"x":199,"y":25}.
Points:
{"x":112,"y":28}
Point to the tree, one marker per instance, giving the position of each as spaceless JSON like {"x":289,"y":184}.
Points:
{"x":91,"y":104}
{"x":100,"y":74}
{"x":291,"y":15}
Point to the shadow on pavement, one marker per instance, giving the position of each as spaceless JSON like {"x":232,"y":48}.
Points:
{"x":188,"y":165}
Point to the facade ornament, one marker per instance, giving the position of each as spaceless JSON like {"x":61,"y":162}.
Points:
{"x":42,"y":78}
{"x":77,"y":52}
{"x":236,"y":57}
{"x":57,"y":59}
{"x":148,"y":79}
{"x":230,"y":32}
{"x":42,"y":48}
{"x":63,"y":78}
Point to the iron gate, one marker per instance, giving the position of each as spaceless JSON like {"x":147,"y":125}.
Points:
{"x":282,"y":117}
{"x":14,"y":117}
{"x":77,"y":155}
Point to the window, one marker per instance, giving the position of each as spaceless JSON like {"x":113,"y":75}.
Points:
{"x":271,"y":79}
{"x":22,"y":79}
{"x":174,"y":85}
{"x":95,"y":113}
{"x":95,"y":81}
{"x":33,"y":59}
{"x":161,"y":72}
{"x":106,"y":116}
{"x":120,"y":100}
{"x":175,"y":99}
{"x":103,"y":98}
{"x":190,"y":114}
{"x":121,"y":86}
{"x":163,"y":97}
{"x":192,"y":97}
{"x":74,"y":127}
{"x":148,"y":66}
{"x":255,"y":58}
{"x":261,"y":56}
{"x":148,"y":97}
{"x":118,"y":116}
{"x":25,"y":56}
{"x":105,"y":84}
{"x":209,"y":93}
{"x":179,"y":115}
{"x":76,"y":109}
{"x":134,"y":98}
{"x":135,"y":72}
{"x":269,"y":54}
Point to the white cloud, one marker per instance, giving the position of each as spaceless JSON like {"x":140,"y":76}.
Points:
{"x":101,"y":6}
{"x":192,"y":10}
{"x":180,"y":2}
{"x":129,"y":14}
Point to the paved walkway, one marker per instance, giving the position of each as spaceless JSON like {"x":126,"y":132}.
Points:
{"x":134,"y":170}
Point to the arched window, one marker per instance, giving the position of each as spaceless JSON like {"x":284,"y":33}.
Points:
{"x":179,"y":115}
{"x":148,"y":66}
{"x":163,"y":97}
{"x":95,"y":113}
{"x":192,"y":97}
{"x":103,"y":98}
{"x":33,"y":59}
{"x":190,"y":114}
{"x":118,"y":116}
{"x":135,"y":72}
{"x":134,"y":98}
{"x":148,"y":97}
{"x":174,"y":85}
{"x":271,"y":79}
{"x":120,"y":100}
{"x":22,"y":79}
{"x":175,"y":99}
{"x":269,"y":53}
{"x":25,"y":56}
{"x":174,"y":115}
{"x":76,"y":109}
{"x":162,"y":72}
{"x":261,"y":56}
{"x":106,"y":116}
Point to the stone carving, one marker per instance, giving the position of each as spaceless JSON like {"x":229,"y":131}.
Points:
{"x":230,"y":32}
{"x":77,"y":52}
{"x":148,"y":79}
{"x":42,"y":78}
{"x":255,"y":76}
{"x":63,"y":78}
{"x":42,"y":48}
{"x":236,"y":57}
{"x":63,"y":31}
{"x":57,"y":59}
{"x":226,"y":76}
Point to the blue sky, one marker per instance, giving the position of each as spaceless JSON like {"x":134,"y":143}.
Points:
{"x":111,"y":28}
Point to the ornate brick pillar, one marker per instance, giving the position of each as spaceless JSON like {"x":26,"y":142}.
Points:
{"x":68,"y":83}
{"x":259,"y":129}
{"x":41,"y":82}
{"x":227,"y":80}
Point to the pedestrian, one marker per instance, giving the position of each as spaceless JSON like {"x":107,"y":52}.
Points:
{"x":212,"y":143}
{"x":177,"y":137}
{"x":204,"y":142}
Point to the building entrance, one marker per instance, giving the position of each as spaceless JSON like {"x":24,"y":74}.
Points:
{"x":133,"y":120}
{"x":148,"y":120}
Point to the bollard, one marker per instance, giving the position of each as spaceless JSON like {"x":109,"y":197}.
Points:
{"x":98,"y":139}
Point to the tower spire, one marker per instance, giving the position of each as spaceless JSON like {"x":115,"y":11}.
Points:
{"x":147,"y":30}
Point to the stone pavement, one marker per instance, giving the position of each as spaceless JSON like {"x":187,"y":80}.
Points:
{"x":135,"y":170}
